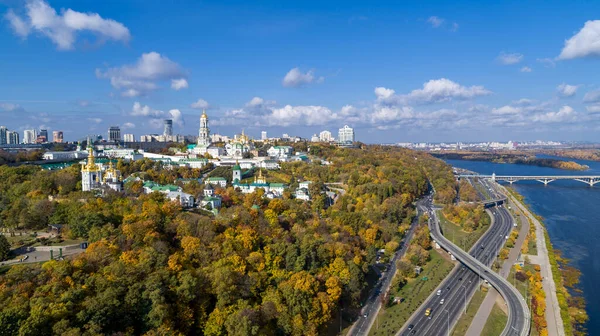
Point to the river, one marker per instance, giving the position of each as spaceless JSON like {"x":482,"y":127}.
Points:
{"x":569,"y":212}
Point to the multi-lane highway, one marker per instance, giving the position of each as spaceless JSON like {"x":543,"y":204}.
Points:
{"x":458,"y":287}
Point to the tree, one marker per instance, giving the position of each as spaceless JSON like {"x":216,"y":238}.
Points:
{"x":4,"y":247}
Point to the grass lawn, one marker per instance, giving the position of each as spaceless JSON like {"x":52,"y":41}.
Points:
{"x":464,"y":321}
{"x":455,"y":233}
{"x":391,"y":319}
{"x":496,"y":322}
{"x":522,"y":287}
{"x":532,"y":246}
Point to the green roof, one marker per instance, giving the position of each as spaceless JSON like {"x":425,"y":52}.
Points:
{"x":282,"y":147}
{"x":255,"y":207}
{"x":216,"y":179}
{"x":195,"y":160}
{"x":210,"y":198}
{"x":168,"y":187}
{"x":277,"y":185}
{"x":192,"y":146}
{"x":237,"y":167}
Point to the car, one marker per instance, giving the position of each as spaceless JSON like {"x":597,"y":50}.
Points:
{"x":428,"y":312}
{"x":448,"y":287}
{"x":411,"y":326}
{"x":515,"y":224}
{"x":470,"y":281}
{"x":365,"y":315}
{"x":439,"y":292}
{"x":442,"y":301}
{"x":460,"y":279}
{"x":481,"y":246}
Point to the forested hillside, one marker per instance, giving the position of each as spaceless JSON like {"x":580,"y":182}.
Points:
{"x":260,"y":267}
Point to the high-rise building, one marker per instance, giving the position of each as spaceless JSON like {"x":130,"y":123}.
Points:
{"x":263,"y":135}
{"x":3,"y":139}
{"x":168,"y":128}
{"x":57,"y":136}
{"x":128,"y":137}
{"x":114,"y":134}
{"x":12,"y":137}
{"x":204,"y":131}
{"x":42,"y":136}
{"x":325,"y":136}
{"x":346,"y":134}
{"x":29,"y":136}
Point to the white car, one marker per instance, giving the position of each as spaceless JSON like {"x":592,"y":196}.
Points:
{"x":439,"y":292}
{"x":442,"y":301}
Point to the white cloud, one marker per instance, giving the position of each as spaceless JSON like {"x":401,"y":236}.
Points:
{"x":141,"y":78}
{"x":526,"y":69}
{"x":439,"y":90}
{"x":9,"y":107}
{"x":95,"y":120}
{"x":565,"y":113}
{"x":592,"y":97}
{"x":63,"y":28}
{"x":547,"y":62}
{"x":296,"y":78}
{"x":156,"y":116}
{"x":256,"y":101}
{"x":200,"y":104}
{"x":510,"y":58}
{"x":128,"y":125}
{"x":435,"y":21}
{"x":454,"y":27}
{"x":384,"y":93}
{"x":593,"y":108}
{"x":583,"y":44}
{"x":507,"y":110}
{"x":300,"y":115}
{"x":178,"y":84}
{"x":523,"y":102}
{"x":566,"y":90}
{"x":391,"y":113}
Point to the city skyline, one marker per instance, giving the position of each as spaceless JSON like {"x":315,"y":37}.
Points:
{"x":395,"y":73}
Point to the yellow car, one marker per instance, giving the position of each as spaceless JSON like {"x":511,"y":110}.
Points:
{"x":428,"y":312}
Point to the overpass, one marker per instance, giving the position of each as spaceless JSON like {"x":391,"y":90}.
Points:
{"x":587,"y":179}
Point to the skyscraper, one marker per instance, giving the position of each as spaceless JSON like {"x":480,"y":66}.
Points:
{"x":263,"y":135}
{"x":325,"y":136}
{"x":12,"y":137}
{"x":346,"y":134}
{"x":204,"y":131}
{"x":43,"y":136}
{"x":57,"y":136}
{"x":168,"y":128}
{"x":114,"y":134}
{"x":128,"y":137}
{"x":3,"y":139}
{"x":29,"y":136}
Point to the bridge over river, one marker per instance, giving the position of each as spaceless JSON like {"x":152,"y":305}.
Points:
{"x":587,"y":179}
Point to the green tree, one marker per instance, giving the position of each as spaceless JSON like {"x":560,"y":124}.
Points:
{"x":4,"y":247}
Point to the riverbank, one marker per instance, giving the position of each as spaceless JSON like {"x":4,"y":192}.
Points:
{"x":512,"y":158}
{"x":563,"y":311}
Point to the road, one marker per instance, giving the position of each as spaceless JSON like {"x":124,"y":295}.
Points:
{"x":459,"y":286}
{"x":518,"y":312}
{"x":373,"y":304}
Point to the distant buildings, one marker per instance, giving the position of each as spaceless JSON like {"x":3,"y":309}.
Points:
{"x":12,"y":137}
{"x":95,"y":176}
{"x":263,"y":135}
{"x":325,"y":136}
{"x":42,"y":137}
{"x":280,"y":152}
{"x":315,"y":138}
{"x":29,"y":136}
{"x":114,"y":134}
{"x":204,"y":131}
{"x":168,"y":131}
{"x":57,"y":136}
{"x":3,"y":137}
{"x":346,"y":134}
{"x":128,"y":137}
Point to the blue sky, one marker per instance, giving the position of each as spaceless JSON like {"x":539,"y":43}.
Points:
{"x":395,"y":71}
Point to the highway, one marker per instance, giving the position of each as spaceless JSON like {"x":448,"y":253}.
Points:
{"x":457,"y":288}
{"x":363,"y":325}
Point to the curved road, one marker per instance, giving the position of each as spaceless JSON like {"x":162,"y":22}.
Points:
{"x":518,"y":313}
{"x":457,"y":288}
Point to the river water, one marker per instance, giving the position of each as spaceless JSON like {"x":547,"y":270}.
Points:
{"x":571,"y":213}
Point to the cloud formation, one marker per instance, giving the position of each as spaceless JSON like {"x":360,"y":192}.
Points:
{"x":297,"y":78}
{"x":200,"y":104}
{"x":592,"y":97}
{"x":526,"y":69}
{"x":566,"y":90}
{"x":509,"y":58}
{"x":435,"y":21}
{"x":62,"y":28}
{"x":585,"y":43}
{"x":440,"y":90}
{"x":156,"y":116}
{"x":143,"y":76}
